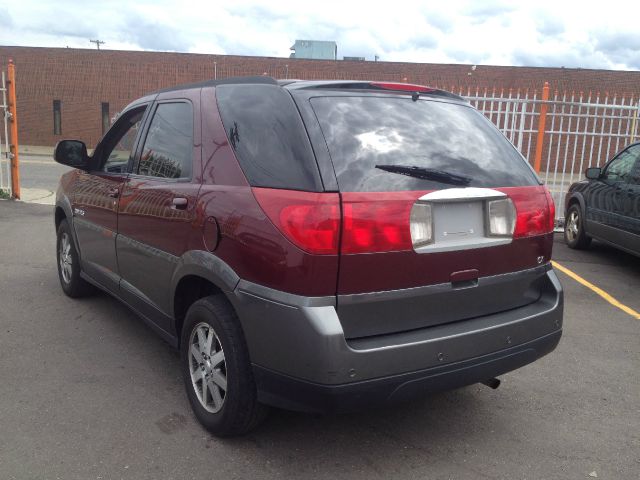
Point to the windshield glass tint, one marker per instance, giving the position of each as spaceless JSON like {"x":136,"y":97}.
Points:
{"x":363,"y":132}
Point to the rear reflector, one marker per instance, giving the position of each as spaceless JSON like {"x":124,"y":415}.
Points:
{"x":309,"y":220}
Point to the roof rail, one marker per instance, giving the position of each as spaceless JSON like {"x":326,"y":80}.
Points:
{"x":261,"y":79}
{"x":390,"y":87}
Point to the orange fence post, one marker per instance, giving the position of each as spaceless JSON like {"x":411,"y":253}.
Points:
{"x":542,"y":121}
{"x":13,"y":131}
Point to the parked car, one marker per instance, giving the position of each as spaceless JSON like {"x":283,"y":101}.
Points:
{"x":606,"y":205}
{"x":315,"y":246}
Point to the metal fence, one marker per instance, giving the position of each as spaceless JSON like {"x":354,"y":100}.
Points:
{"x":561,"y":134}
{"x":5,"y":167}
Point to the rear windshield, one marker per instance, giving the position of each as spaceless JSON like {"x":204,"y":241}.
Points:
{"x":386,"y":144}
{"x":269,"y":139}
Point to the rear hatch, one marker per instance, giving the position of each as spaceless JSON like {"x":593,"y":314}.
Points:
{"x":442,"y":219}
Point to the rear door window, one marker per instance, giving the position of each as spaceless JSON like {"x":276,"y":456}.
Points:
{"x":392,"y":144}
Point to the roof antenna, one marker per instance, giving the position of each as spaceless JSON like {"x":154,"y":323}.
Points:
{"x":415,"y":96}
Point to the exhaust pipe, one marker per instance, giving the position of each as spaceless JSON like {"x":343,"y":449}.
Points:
{"x":491,"y":383}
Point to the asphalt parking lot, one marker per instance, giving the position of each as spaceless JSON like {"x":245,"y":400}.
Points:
{"x":89,"y":392}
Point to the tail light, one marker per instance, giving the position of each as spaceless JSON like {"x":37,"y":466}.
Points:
{"x":391,"y":221}
{"x":379,"y":222}
{"x":309,"y":220}
{"x":535,"y":210}
{"x":552,"y":209}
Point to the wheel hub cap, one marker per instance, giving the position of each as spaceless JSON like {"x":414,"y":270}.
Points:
{"x":208,"y":367}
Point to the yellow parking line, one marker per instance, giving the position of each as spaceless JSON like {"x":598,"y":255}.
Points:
{"x":597,"y":290}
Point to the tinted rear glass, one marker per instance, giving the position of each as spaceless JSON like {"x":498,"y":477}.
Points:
{"x":436,"y":138}
{"x":267,"y":134}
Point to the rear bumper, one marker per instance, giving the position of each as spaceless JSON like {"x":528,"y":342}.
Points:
{"x":302,"y":359}
{"x":291,"y":393}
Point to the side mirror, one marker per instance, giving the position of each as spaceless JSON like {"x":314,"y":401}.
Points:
{"x":593,"y":173}
{"x":72,"y":153}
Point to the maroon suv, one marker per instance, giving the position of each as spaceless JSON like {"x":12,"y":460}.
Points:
{"x":314,"y":245}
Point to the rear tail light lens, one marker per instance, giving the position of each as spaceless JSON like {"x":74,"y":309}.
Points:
{"x":309,"y":220}
{"x":552,"y":209}
{"x":377,"y":221}
{"x":421,"y":221}
{"x":534,"y":213}
{"x":502,"y":217}
{"x":391,"y":221}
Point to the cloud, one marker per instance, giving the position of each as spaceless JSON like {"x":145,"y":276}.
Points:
{"x":581,"y":57}
{"x":152,"y":35}
{"x":439,"y":20}
{"x":500,"y":32}
{"x":70,"y":28}
{"x":5,"y":18}
{"x":549,"y":26}
{"x":483,"y":11}
{"x":609,"y":41}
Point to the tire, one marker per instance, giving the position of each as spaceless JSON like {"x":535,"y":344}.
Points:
{"x":574,"y":233}
{"x":214,"y":353}
{"x":68,"y":262}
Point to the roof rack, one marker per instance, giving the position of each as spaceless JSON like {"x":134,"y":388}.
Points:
{"x":261,"y":79}
{"x":390,"y":87}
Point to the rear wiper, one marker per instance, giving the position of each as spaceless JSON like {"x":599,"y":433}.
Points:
{"x":441,"y":176}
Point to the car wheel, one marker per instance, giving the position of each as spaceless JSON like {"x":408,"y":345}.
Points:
{"x":216,"y":369}
{"x":574,"y":233}
{"x":69,"y":264}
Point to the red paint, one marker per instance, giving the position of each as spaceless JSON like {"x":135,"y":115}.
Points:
{"x":394,"y":270}
{"x":258,"y":251}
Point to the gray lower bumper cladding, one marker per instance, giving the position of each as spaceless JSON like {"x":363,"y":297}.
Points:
{"x":303,"y":361}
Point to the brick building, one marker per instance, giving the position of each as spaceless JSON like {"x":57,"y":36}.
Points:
{"x":73,"y":93}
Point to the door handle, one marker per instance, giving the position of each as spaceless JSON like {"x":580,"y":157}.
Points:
{"x":179,"y":203}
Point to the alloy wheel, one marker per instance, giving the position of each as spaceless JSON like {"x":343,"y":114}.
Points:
{"x":573,"y":226}
{"x":64,"y":258}
{"x":207,"y":367}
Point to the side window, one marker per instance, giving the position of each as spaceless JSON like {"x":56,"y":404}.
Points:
{"x":167,"y":150}
{"x":635,"y":172}
{"x":119,"y":142}
{"x":268,"y":137}
{"x":620,"y":169}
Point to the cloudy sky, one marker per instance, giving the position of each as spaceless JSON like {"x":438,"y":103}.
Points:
{"x":586,"y":34}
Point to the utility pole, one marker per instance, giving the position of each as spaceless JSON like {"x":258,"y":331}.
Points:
{"x":97,"y":42}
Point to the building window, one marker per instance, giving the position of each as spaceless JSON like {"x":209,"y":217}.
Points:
{"x":106,"y":123}
{"x":57,"y":118}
